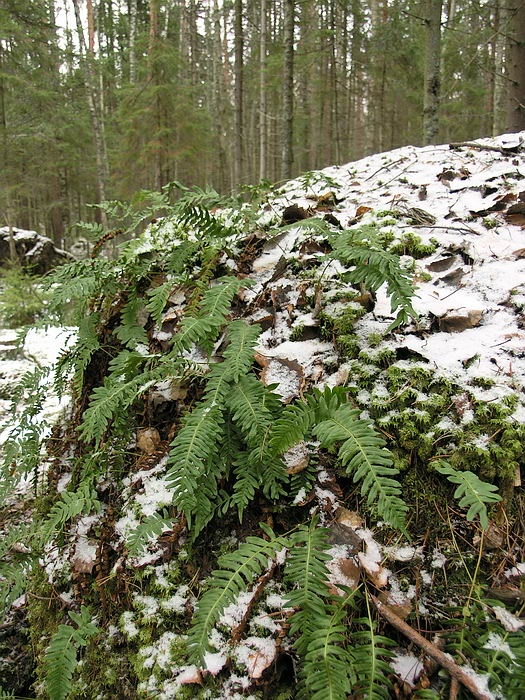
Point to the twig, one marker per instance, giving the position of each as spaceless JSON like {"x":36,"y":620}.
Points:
{"x":429,"y":648}
{"x":261,"y":583}
{"x":387,"y":165}
{"x":461,"y":229}
{"x":481,"y":147}
{"x":454,"y":688}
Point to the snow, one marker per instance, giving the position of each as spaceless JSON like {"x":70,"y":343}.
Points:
{"x":214,"y":662}
{"x":256,"y":653}
{"x":509,"y":621}
{"x":407,"y":666}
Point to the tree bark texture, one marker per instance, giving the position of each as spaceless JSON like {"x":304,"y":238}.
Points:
{"x":239,"y":131}
{"x":516,"y":68}
{"x":287,"y":140}
{"x":262,"y":93}
{"x":432,"y":87}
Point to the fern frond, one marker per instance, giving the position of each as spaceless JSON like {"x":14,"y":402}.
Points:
{"x":298,"y":418}
{"x":236,"y":572}
{"x":363,"y":453}
{"x":197,"y":217}
{"x":61,"y":655}
{"x":239,"y":353}
{"x":375,"y":266}
{"x":514,"y":682}
{"x":150,"y":528}
{"x":71,"y":504}
{"x":327,"y":672}
{"x":369,"y":651}
{"x":306,"y":569}
{"x":193,"y":447}
{"x":246,"y":404}
{"x":130,"y":332}
{"x":247,"y":481}
{"x":471,"y":492}
{"x":158,"y":298}
{"x":107,"y":400}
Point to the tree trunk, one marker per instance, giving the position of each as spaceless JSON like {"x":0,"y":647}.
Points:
{"x":287,"y":138}
{"x":262,"y":93}
{"x":432,"y":88}
{"x":96,"y":119}
{"x":132,"y":38}
{"x":238,"y":39}
{"x":516,"y":69}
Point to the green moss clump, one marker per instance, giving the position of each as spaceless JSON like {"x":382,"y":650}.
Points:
{"x":411,"y":244}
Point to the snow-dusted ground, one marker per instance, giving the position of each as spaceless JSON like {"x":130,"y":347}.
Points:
{"x":40,"y":350}
{"x":475,"y":279}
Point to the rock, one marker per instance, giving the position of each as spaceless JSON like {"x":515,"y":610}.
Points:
{"x":148,"y":440}
{"x":35,"y":252}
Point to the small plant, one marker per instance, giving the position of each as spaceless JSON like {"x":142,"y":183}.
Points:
{"x":22,"y":301}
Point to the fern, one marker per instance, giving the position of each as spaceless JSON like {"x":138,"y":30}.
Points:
{"x":131,"y":332}
{"x":364,"y":455}
{"x":239,"y":353}
{"x":471,"y":492}
{"x":61,"y":655}
{"x":246,"y":404}
{"x":79,"y":356}
{"x":369,"y":651}
{"x":326,"y":669}
{"x":298,"y":419}
{"x":194,"y":446}
{"x":375,"y":266}
{"x":306,"y":568}
{"x":115,"y":396}
{"x":158,"y":298}
{"x":237,"y":571}
{"x":151,"y":528}
{"x":71,"y":504}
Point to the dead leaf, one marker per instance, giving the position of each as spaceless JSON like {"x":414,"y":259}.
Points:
{"x":361,"y":211}
{"x":456,"y":323}
{"x":402,"y":610}
{"x":148,"y":440}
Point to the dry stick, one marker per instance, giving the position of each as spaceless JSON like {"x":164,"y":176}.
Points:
{"x":480,"y":147}
{"x":261,"y":583}
{"x":454,"y":688}
{"x":429,"y":648}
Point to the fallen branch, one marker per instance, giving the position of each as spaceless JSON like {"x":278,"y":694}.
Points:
{"x":261,"y":583}
{"x":431,"y":649}
{"x":481,"y":147}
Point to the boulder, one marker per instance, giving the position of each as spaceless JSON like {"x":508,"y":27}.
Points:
{"x":35,"y":252}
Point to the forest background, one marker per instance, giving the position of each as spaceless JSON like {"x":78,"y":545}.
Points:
{"x":101,"y":98}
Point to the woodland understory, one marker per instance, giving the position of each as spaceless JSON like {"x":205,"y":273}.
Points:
{"x":290,"y":465}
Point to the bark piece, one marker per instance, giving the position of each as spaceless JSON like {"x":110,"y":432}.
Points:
{"x":455,"y":323}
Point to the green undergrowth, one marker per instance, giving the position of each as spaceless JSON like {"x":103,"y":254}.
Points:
{"x":144,"y":588}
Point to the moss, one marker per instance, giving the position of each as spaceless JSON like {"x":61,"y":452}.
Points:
{"x":411,"y":244}
{"x":297,"y":332}
{"x":483,"y":382}
{"x":490,"y":222}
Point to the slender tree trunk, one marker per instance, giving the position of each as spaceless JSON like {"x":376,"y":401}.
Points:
{"x":239,"y":94}
{"x":262,"y":93}
{"x":287,"y":138}
{"x":8,"y":214}
{"x":432,"y":87}
{"x":132,"y":41}
{"x":96,"y":119}
{"x":516,"y":69}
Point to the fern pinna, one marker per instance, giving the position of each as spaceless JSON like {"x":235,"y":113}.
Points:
{"x":61,"y":654}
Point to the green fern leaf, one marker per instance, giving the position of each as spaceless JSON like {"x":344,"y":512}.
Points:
{"x":71,"y":504}
{"x":158,"y":298}
{"x":194,"y":446}
{"x":131,"y":333}
{"x":363,"y":453}
{"x":107,"y":400}
{"x":471,"y":492}
{"x":151,"y":528}
{"x":239,"y":353}
{"x":61,"y":655}
{"x":246,"y":404}
{"x":298,"y":418}
{"x":237,"y":571}
{"x":375,"y":266}
{"x":369,"y":651}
